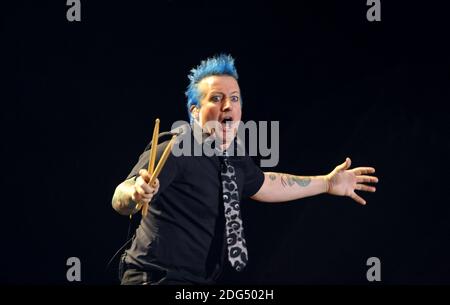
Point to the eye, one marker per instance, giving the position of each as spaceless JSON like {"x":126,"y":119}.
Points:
{"x":216,"y":98}
{"x":234,"y":98}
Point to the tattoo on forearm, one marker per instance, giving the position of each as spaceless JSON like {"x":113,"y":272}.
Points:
{"x":302,"y":181}
{"x":290,"y":180}
{"x":285,"y":181}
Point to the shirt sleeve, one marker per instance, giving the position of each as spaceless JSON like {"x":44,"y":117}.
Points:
{"x":254,"y":178}
{"x":168,"y":173}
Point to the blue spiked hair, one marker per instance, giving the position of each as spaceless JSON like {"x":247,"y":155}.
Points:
{"x":218,"y":65}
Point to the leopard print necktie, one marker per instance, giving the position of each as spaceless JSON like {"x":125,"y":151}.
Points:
{"x":237,"y":247}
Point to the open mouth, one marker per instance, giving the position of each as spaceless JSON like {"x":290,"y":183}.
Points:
{"x":226,"y":122}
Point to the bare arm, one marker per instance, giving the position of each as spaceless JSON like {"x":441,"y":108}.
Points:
{"x":342,"y":181}
{"x":279,"y":187}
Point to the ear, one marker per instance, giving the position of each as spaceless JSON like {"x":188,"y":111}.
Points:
{"x":194,"y":112}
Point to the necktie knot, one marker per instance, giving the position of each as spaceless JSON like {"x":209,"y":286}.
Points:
{"x":224,"y":160}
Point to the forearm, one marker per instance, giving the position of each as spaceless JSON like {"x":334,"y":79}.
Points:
{"x":279,"y":187}
{"x":122,"y":201}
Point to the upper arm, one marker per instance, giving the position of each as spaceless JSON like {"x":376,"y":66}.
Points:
{"x":260,"y":194}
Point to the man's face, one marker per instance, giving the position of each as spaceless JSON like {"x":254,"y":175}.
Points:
{"x":221,"y":104}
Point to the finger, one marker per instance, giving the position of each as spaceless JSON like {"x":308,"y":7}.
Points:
{"x":148,"y":189}
{"x":366,"y":179}
{"x":357,"y":198}
{"x":140,"y":190}
{"x":367,"y":188}
{"x":345,"y":165}
{"x":155,"y":190}
{"x":147,"y":196}
{"x":363,"y":170}
{"x":145,"y":175}
{"x":141,"y":180}
{"x":156,"y":183}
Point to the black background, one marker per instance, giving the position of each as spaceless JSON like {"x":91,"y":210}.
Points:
{"x":80,"y":99}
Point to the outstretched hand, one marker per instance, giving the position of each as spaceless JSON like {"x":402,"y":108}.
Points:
{"x":343,"y":181}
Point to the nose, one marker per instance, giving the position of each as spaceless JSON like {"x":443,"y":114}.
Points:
{"x":227,"y":106}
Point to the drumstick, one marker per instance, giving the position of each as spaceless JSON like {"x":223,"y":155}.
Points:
{"x":158,"y":169}
{"x":163,"y":160}
{"x":151,"y":162}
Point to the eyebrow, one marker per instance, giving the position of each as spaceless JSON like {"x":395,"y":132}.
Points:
{"x":220,"y":92}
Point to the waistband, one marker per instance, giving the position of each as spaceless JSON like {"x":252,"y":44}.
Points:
{"x":156,"y":274}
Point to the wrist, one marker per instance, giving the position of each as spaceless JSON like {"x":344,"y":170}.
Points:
{"x":327,"y":184}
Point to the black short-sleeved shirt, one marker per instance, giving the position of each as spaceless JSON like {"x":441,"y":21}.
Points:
{"x":184,"y":229}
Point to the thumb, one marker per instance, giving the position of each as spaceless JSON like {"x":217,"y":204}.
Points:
{"x":345,"y":165}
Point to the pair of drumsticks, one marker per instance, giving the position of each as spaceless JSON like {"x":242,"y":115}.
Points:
{"x":154,"y":172}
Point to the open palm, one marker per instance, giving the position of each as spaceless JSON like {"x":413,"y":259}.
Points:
{"x":343,"y":181}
